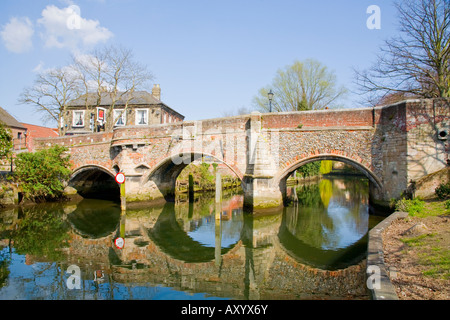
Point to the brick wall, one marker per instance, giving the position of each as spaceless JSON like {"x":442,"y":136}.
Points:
{"x":322,"y":118}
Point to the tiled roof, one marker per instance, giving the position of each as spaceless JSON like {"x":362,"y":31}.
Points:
{"x":136,"y":98}
{"x":9,"y":120}
{"x":35,"y":131}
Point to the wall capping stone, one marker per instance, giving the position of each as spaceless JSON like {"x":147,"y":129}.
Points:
{"x":375,"y":257}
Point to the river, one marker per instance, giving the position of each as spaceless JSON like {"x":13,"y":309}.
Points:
{"x":314,"y":248}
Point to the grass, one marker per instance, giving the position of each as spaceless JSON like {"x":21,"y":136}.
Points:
{"x":439,"y":263}
{"x":421,"y":209}
{"x":416,"y":241}
{"x":432,"y":248}
{"x":432,"y":256}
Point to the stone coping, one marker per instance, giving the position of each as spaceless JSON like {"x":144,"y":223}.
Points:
{"x":381,"y":288}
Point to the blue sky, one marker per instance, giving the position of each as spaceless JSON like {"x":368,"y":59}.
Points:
{"x":210,"y":57}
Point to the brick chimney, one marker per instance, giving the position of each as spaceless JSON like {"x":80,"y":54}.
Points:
{"x":156,"y":91}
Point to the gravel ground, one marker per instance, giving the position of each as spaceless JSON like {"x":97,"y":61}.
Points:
{"x":414,"y":248}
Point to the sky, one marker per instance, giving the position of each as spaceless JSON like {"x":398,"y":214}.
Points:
{"x":210,"y":57}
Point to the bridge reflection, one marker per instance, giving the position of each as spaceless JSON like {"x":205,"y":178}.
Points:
{"x":185,"y":246}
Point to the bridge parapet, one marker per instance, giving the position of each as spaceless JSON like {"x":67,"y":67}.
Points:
{"x":393,"y":145}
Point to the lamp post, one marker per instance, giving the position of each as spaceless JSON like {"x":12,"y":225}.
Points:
{"x":270,"y":95}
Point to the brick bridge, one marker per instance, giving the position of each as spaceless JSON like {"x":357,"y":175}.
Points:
{"x":392,"y":145}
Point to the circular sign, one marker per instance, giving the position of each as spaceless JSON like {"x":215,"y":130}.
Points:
{"x":119,"y":242}
{"x":120,"y":178}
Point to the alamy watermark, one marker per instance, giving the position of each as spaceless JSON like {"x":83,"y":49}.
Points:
{"x":74,"y":280}
{"x":74,"y":20}
{"x":374,"y":20}
{"x":224,"y":144}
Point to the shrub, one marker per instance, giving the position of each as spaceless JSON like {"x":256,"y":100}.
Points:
{"x":42,"y":174}
{"x":309,"y":170}
{"x":413,"y":207}
{"x":443,"y":191}
{"x":6,"y":141}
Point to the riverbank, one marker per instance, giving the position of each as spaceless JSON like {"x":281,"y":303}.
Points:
{"x":417,"y":254}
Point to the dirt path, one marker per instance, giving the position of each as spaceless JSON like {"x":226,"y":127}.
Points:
{"x":416,"y":253}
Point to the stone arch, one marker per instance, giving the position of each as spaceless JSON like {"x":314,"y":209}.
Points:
{"x":296,"y":163}
{"x":167,"y":169}
{"x":95,"y":181}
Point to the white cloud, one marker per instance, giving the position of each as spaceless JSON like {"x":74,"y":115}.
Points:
{"x":17,"y":34}
{"x":65,"y":28}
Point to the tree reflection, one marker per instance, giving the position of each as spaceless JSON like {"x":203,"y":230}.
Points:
{"x":41,"y":232}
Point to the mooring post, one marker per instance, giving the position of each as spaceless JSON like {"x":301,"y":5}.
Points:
{"x":120,"y":179}
{"x":123,"y":199}
{"x":218,"y":244}
{"x":218,"y":196}
{"x":191,"y":188}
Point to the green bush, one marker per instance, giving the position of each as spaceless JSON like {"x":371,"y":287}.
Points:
{"x":6,"y":141}
{"x":414,"y":207}
{"x":41,"y":174}
{"x":447,"y":204}
{"x":443,"y":191}
{"x":309,"y":170}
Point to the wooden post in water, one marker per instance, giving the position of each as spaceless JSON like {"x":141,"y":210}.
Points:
{"x":120,"y":179}
{"x":218,"y":196}
{"x":122,"y":224}
{"x":191,"y":188}
{"x":218,"y":224}
{"x":123,"y":199}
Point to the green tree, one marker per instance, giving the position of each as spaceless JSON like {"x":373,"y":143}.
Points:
{"x":42,"y":174}
{"x":309,"y":170}
{"x":42,"y":233}
{"x":326,"y":166}
{"x":6,"y":141}
{"x":304,"y":85}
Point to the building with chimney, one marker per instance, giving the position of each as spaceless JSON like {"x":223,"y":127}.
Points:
{"x":92,"y":112}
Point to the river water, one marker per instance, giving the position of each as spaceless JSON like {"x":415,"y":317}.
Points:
{"x":314,"y":248}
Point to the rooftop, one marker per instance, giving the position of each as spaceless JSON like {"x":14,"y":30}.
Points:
{"x":135,"y":98}
{"x":9,"y":120}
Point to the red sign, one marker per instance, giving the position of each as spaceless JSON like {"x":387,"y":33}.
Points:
{"x":119,"y":243}
{"x":100,"y":114}
{"x":120,"y":178}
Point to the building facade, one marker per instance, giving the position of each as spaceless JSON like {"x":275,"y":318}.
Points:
{"x":18,"y":130}
{"x":92,"y":113}
{"x":35,"y":131}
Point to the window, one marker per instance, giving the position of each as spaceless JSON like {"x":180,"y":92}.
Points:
{"x":120,"y":117}
{"x":78,"y":118}
{"x":142,"y":116}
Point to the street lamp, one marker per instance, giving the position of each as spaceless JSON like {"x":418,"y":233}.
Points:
{"x":270,"y":95}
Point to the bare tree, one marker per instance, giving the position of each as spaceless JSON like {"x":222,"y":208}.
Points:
{"x":416,"y":62}
{"x":307,"y":85}
{"x":113,"y":72}
{"x":51,"y":92}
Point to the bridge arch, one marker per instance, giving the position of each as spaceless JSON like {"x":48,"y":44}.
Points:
{"x":297,"y":163}
{"x":167,"y":169}
{"x":95,"y":181}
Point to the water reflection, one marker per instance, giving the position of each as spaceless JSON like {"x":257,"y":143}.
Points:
{"x":327,"y":225}
{"x":192,"y":250}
